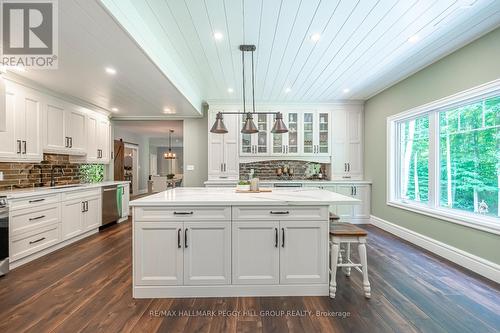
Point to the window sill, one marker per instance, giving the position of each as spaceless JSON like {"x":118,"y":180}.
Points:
{"x":483,"y":223}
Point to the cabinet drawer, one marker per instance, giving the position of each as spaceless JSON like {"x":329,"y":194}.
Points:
{"x":28,"y":219}
{"x":35,"y":201}
{"x":80,"y":194}
{"x":282,"y":213}
{"x":37,"y":240}
{"x":152,"y":214}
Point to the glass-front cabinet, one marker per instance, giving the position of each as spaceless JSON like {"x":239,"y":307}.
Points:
{"x":308,"y":134}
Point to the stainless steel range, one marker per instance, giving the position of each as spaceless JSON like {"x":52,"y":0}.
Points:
{"x":4,"y":236}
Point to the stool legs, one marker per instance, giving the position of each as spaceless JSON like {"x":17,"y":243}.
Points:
{"x":333,"y":266}
{"x":348,"y":256}
{"x":364,"y":267}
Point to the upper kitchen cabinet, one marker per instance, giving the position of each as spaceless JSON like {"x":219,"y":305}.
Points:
{"x":98,"y":139}
{"x":3,"y":113}
{"x":258,"y":143}
{"x":21,"y":139}
{"x":347,"y":154}
{"x":223,"y":160}
{"x":286,"y":143}
{"x":315,"y":133}
{"x":64,"y":128}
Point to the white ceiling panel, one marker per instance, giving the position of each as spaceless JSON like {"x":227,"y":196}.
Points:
{"x":364,"y":45}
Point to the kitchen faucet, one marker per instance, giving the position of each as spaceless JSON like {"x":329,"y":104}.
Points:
{"x":36,"y":166}
{"x":52,"y":180}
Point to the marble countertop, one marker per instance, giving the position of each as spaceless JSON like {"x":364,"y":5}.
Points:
{"x":301,"y":181}
{"x":203,"y":196}
{"x":34,"y":191}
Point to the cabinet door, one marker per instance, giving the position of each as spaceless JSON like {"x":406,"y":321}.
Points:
{"x":323,"y":135}
{"x":303,"y":252}
{"x":54,"y":127}
{"x":339,"y":143}
{"x":255,"y":252}
{"x":32,"y":133}
{"x":231,"y":160}
{"x":215,"y":151}
{"x":355,"y":144}
{"x":344,"y":211}
{"x":92,"y":138}
{"x":278,"y":140}
{"x":292,"y":137}
{"x":246,"y":140}
{"x":362,"y":211}
{"x":158,"y":256}
{"x":207,"y":253}
{"x":72,"y":219}
{"x":75,"y":129}
{"x":8,"y":140}
{"x":104,"y":140}
{"x":93,"y":215}
{"x":308,"y":140}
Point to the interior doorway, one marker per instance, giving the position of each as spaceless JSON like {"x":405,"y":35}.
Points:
{"x":131,"y":166}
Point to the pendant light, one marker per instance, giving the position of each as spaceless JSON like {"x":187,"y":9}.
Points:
{"x":219,"y":126}
{"x":249,"y":127}
{"x":170,"y":155}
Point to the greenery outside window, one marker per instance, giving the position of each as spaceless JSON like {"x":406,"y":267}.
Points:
{"x":444,"y":158}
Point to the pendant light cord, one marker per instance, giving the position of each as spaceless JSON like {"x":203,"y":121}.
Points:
{"x":243,"y":66}
{"x":253,"y":86}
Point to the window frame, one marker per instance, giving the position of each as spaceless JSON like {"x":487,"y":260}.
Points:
{"x":433,"y":208}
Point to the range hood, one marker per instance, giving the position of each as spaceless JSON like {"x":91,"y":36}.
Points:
{"x":3,"y":107}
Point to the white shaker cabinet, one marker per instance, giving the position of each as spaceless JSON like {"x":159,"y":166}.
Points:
{"x":76,"y":131}
{"x":256,"y":252}
{"x":98,"y":139}
{"x":73,"y":218}
{"x":93,"y":213}
{"x":347,"y":141}
{"x":223,"y":160}
{"x":159,"y":254}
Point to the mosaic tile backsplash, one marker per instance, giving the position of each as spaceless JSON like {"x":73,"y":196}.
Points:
{"x":302,"y":170}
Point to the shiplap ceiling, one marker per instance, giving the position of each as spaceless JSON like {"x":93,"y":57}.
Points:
{"x":90,"y":40}
{"x":364,"y":47}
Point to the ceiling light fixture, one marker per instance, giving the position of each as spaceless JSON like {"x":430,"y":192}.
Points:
{"x":166,"y":110}
{"x":114,"y":109}
{"x":230,"y":90}
{"x":170,"y":155}
{"x":346,"y":90}
{"x":414,"y":39}
{"x":249,"y":126}
{"x":110,"y":70}
{"x":315,"y":37}
{"x":218,"y":35}
{"x":287,"y":90}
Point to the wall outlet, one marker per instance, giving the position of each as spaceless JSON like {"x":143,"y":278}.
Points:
{"x":190,"y":167}
{"x":1,"y":175}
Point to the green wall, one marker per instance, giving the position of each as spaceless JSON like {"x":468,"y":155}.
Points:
{"x":472,"y":65}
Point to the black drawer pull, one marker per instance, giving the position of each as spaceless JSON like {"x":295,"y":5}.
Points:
{"x":280,"y":212}
{"x":36,"y":200}
{"x":179,"y":238}
{"x":36,"y":218}
{"x":282,"y":237}
{"x":183,"y":213}
{"x":186,"y":238}
{"x":275,"y":237}
{"x":38,"y":240}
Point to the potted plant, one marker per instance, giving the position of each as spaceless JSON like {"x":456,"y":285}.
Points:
{"x":243,"y":185}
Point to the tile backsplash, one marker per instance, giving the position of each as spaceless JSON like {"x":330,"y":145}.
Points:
{"x":22,"y":175}
{"x":267,"y":170}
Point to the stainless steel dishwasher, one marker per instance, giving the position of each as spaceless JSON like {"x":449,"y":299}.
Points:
{"x":4,"y":236}
{"x":110,"y":206}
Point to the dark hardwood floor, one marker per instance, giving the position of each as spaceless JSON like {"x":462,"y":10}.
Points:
{"x":87,"y":287}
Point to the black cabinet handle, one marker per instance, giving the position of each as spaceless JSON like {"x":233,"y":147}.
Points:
{"x":36,"y":218}
{"x":66,"y":142}
{"x":86,"y":206}
{"x":83,"y":207}
{"x":179,"y":238}
{"x":282,"y":237}
{"x":186,"y":238}
{"x":349,"y":166}
{"x":19,"y":146}
{"x":24,"y":147}
{"x":280,"y":212}
{"x":275,"y":237}
{"x":183,"y":213}
{"x":36,"y":200}
{"x":38,"y":240}
{"x":70,"y":142}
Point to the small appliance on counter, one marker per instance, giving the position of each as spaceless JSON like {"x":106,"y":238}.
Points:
{"x":4,"y":236}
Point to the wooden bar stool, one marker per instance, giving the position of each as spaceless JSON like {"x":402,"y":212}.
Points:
{"x":348,"y":233}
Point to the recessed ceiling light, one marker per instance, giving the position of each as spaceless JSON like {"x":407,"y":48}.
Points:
{"x":346,"y":90}
{"x":230,"y":90}
{"x":287,"y":90}
{"x":166,"y":110}
{"x":315,"y":37}
{"x":218,"y":35}
{"x":114,"y":109}
{"x":414,"y":39}
{"x":110,"y":70}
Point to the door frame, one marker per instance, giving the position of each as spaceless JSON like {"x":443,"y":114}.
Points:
{"x":135,"y":166}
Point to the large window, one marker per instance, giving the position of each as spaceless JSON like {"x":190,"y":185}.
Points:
{"x":444,"y":158}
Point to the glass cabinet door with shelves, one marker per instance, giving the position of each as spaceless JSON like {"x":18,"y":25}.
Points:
{"x":292,"y":138}
{"x":262,"y":136}
{"x":246,"y":139}
{"x":308,"y":132}
{"x":278,"y":140}
{"x":324,"y":136}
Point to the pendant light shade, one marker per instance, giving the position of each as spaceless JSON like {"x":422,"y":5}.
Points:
{"x":219,"y":127}
{"x":279,"y":124}
{"x":170,"y":155}
{"x":249,"y":127}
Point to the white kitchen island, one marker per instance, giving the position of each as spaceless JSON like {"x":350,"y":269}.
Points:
{"x":214,"y":242}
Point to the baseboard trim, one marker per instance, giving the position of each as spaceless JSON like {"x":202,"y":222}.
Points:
{"x":465,"y":259}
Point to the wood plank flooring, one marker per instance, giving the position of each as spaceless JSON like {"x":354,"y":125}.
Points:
{"x":86,"y":287}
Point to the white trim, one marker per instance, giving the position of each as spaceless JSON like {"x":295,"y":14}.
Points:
{"x":465,"y":259}
{"x":230,"y":291}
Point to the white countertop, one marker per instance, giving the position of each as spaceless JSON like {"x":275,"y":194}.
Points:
{"x":35,"y":191}
{"x":203,"y":196}
{"x":301,"y":181}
